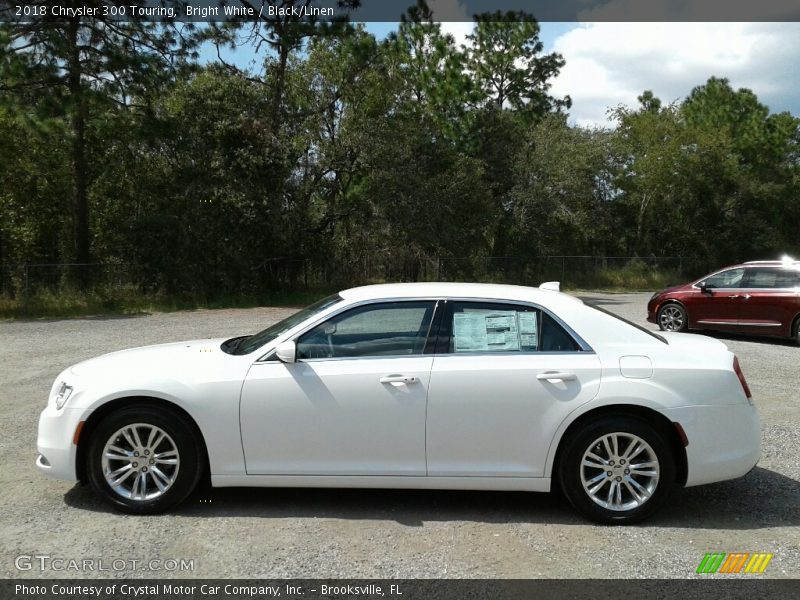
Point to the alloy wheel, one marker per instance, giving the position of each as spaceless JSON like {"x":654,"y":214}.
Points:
{"x":672,"y":318}
{"x":140,"y":462}
{"x":619,"y":471}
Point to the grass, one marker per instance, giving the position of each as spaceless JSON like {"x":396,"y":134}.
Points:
{"x":67,"y":303}
{"x":625,"y":280}
{"x":70,"y":303}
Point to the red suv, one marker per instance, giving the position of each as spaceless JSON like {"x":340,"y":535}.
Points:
{"x":759,"y":298}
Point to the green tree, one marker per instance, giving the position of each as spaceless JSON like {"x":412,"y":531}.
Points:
{"x":507,"y":65}
{"x":76,"y":68}
{"x":758,"y":212}
{"x":562,"y":191}
{"x":427,"y":71}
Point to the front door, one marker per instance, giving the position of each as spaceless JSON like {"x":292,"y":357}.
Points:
{"x":352,"y":404}
{"x":718,"y":306}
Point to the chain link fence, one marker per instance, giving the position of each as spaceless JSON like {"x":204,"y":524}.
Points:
{"x":26,"y":279}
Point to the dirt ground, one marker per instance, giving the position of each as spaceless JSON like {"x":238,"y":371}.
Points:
{"x":366,"y":533}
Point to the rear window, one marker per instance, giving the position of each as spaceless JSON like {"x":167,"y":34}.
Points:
{"x":771,"y":278}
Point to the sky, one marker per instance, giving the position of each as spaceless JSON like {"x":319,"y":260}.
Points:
{"x":608,"y":64}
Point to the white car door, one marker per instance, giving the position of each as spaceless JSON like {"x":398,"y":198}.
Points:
{"x":352,"y":404}
{"x":504,"y":377}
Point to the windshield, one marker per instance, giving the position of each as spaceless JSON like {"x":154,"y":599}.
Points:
{"x":250,"y":343}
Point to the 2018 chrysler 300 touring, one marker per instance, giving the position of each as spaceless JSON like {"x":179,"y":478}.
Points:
{"x":424,"y":385}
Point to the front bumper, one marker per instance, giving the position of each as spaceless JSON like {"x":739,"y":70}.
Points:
{"x":724,"y":441}
{"x":57,"y":452}
{"x":652,"y":307}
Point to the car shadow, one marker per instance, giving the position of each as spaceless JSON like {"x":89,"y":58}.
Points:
{"x":602,"y":300}
{"x":761,"y":499}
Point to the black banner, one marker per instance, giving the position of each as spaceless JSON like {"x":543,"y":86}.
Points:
{"x":743,"y":587}
{"x":391,"y":10}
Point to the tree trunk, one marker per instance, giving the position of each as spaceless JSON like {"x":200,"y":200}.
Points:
{"x":277,"y":90}
{"x":79,"y":165}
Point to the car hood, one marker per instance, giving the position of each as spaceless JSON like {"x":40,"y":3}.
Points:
{"x":675,"y":288}
{"x":172,"y":357}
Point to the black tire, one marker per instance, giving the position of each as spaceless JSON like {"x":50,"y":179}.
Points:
{"x":796,"y":331}
{"x":572,"y":473}
{"x":672,"y":317}
{"x":184,"y":474}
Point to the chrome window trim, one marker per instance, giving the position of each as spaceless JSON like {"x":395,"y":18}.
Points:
{"x":585,"y":347}
{"x":795,"y":290}
{"x":747,"y":267}
{"x":294,"y":336}
{"x":704,"y":277}
{"x":269,"y":355}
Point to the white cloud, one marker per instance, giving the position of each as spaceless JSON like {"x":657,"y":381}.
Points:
{"x":612,"y":63}
{"x":459,"y":31}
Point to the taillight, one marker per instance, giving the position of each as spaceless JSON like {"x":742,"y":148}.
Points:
{"x":742,"y":380}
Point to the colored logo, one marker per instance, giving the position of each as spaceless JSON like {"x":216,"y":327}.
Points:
{"x":735,"y":562}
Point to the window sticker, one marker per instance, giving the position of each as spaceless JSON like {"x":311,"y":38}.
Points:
{"x":494,"y":331}
{"x":469,"y":330}
{"x":528,"y":332}
{"x":502,"y":331}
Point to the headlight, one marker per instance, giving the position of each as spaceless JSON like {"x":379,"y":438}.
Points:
{"x":64,"y":392}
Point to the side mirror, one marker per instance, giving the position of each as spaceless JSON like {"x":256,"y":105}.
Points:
{"x":286,"y":352}
{"x":704,"y":287}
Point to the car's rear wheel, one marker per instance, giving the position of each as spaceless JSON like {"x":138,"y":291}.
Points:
{"x":617,"y":470}
{"x":144,"y":460}
{"x":672,"y":317}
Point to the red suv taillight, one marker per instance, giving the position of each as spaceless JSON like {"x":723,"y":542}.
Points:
{"x":742,"y":380}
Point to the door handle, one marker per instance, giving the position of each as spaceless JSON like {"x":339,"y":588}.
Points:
{"x":398,"y":379}
{"x":735,"y":296}
{"x":556,"y":376}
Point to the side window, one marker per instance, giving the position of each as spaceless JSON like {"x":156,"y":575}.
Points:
{"x":770,"y":278}
{"x":490,"y":327}
{"x":732,"y":278}
{"x":555,"y":338}
{"x":386,"y":329}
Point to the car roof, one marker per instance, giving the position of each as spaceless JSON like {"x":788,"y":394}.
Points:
{"x":453,"y":290}
{"x":789,"y":264}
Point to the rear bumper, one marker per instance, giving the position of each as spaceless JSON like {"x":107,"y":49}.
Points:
{"x":55,"y":445}
{"x":724,"y":441}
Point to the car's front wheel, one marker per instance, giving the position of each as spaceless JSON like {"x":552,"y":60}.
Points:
{"x":672,"y":317}
{"x":144,"y":460}
{"x":617,"y":470}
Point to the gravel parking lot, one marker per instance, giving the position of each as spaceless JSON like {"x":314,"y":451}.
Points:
{"x":363,"y":533}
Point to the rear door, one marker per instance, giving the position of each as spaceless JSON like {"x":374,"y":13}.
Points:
{"x":492,"y":408}
{"x":769,"y":301}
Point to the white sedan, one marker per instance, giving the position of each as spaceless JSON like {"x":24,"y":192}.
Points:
{"x":422,"y":385}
